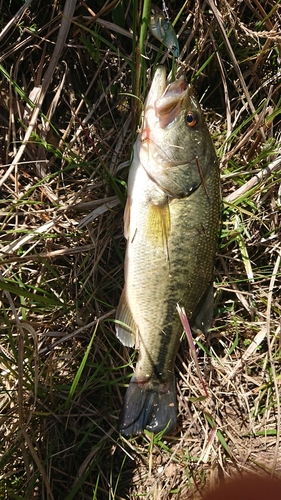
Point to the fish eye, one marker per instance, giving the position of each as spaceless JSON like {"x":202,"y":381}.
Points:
{"x":191,"y":119}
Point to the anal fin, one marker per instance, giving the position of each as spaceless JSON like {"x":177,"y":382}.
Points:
{"x":125,"y":325}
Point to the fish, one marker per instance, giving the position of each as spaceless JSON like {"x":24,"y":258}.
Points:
{"x":163,"y":30}
{"x":171,"y":222}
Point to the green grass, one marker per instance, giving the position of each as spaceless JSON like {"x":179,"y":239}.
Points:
{"x":63,"y":372}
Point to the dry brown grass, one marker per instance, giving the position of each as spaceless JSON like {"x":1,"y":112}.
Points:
{"x":66,"y":132}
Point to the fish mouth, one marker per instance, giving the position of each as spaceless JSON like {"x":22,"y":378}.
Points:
{"x":158,"y":86}
{"x":165,"y":100}
{"x":169,"y":105}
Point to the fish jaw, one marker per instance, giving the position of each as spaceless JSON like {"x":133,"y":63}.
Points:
{"x":157,"y":89}
{"x":163,"y":103}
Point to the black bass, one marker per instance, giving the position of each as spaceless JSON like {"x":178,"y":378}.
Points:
{"x":170,"y":222}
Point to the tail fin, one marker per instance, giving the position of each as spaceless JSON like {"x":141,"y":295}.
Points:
{"x":148,"y":406}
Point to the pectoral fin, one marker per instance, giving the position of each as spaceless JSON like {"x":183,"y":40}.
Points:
{"x":125,"y":325}
{"x":158,"y":226}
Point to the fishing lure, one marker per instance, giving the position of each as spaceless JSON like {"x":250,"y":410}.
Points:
{"x":162,"y":30}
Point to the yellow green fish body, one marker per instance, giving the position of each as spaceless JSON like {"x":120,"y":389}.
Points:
{"x":171,"y":222}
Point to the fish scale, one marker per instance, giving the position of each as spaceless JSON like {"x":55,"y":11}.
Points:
{"x":171,"y":221}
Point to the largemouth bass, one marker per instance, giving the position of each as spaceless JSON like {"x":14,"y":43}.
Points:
{"x":170,"y":222}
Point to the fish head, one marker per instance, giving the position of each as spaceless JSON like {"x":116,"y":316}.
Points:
{"x":176,"y":146}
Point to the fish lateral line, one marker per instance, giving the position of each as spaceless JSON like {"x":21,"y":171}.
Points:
{"x":176,"y":146}
{"x":134,"y":235}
